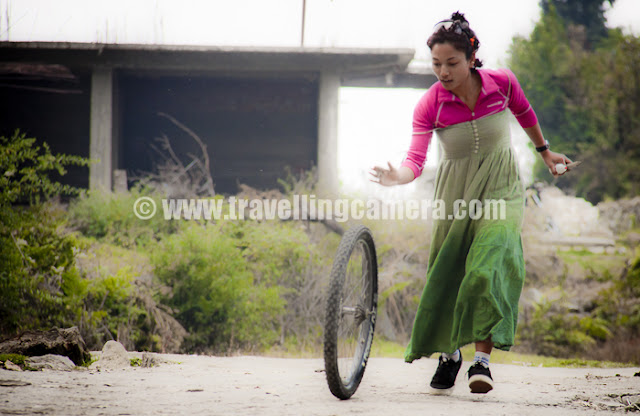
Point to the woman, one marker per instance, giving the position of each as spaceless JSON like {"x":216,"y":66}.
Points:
{"x":476,"y":267}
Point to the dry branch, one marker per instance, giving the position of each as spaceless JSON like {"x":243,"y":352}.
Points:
{"x":203,"y":147}
{"x":172,"y":176}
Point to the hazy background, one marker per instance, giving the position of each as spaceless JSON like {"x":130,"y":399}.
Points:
{"x":374,"y":124}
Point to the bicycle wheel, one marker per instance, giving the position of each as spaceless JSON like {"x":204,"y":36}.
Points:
{"x":351,"y":312}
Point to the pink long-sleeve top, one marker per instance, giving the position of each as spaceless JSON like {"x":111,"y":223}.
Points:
{"x":439,"y":108}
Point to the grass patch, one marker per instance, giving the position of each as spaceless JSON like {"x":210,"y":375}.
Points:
{"x":389,"y":349}
{"x":383,"y":348}
{"x":90,"y":361}
{"x":531,"y":360}
{"x":601,"y":267}
{"x":580,"y":363}
{"x":17,"y":359}
{"x":293,"y":348}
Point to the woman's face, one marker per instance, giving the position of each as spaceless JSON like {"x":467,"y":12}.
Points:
{"x":450,"y":65}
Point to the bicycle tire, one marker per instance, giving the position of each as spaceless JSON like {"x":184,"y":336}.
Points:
{"x":344,"y":368}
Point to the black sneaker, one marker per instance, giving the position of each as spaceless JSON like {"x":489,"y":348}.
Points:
{"x":446,"y":373}
{"x":480,"y":380}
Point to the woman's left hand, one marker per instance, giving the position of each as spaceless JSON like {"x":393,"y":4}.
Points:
{"x":551,"y":159}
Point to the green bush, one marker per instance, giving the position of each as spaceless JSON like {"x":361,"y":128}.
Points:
{"x":25,"y":167}
{"x":619,"y":303}
{"x":555,"y":332}
{"x":214,"y":292}
{"x":42,"y":287}
{"x":277,"y":253}
{"x":117,"y":300}
{"x":283,"y":254}
{"x":110,"y":217}
{"x":38,"y":275}
{"x":40,"y":284}
{"x":110,"y":306}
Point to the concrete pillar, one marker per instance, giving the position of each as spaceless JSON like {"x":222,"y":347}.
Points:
{"x":101,"y":135}
{"x":328,"y":132}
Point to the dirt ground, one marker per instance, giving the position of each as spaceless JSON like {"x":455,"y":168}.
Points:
{"x":202,"y":385}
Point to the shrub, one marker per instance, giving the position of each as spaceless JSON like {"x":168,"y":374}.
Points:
{"x":110,"y":218}
{"x":214,"y":292}
{"x":38,"y":274}
{"x":282,"y":254}
{"x":109,"y":308}
{"x":40,"y":284}
{"x":25,"y":168}
{"x":553,"y":331}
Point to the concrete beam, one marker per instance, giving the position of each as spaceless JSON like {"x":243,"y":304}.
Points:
{"x":208,"y":58}
{"x":101,"y":129}
{"x":390,"y":80}
{"x":329,"y":86}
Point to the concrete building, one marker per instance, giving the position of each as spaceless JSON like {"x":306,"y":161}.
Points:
{"x":258,"y":110}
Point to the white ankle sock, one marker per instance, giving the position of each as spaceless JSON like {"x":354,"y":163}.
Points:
{"x":455,"y":356}
{"x":482,"y":357}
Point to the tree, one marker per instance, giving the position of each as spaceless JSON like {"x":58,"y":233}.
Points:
{"x":546,"y":65}
{"x":586,"y":13}
{"x":611,"y":82}
{"x":587,"y":101}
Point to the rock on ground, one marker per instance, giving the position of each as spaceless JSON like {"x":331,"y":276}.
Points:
{"x":67,"y":342}
{"x":50,"y":362}
{"x":113,"y":357}
{"x":9,"y":365}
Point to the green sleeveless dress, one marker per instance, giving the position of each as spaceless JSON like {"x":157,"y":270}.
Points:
{"x":476,"y":267}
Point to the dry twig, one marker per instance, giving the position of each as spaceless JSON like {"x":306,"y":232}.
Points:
{"x":206,"y":166}
{"x":175,"y":178}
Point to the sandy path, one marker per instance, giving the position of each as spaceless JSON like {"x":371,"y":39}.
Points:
{"x":199,"y":385}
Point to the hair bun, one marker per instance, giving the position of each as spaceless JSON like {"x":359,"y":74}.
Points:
{"x":458,"y":16}
{"x":459,"y":34}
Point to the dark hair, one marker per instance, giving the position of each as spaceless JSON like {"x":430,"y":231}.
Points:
{"x":459,"y":34}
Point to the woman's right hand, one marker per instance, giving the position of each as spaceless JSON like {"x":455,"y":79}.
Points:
{"x":551,"y":159}
{"x":390,"y":176}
